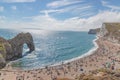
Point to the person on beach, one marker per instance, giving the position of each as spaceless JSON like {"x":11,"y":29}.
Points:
{"x":19,"y":78}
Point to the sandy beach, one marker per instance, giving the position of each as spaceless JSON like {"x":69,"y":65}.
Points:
{"x":106,"y":56}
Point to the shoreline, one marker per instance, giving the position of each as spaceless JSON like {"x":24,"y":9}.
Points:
{"x":99,"y":58}
{"x":88,"y":53}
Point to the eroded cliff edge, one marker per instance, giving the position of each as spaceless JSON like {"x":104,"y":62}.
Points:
{"x":12,"y":49}
{"x":110,"y":31}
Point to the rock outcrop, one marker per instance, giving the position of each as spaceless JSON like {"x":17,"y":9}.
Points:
{"x":4,"y":48}
{"x":93,"y":31}
{"x":12,"y":49}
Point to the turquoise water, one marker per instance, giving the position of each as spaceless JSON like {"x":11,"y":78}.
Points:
{"x":51,"y":47}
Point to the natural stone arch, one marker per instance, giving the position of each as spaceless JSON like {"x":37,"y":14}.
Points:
{"x":12,"y":49}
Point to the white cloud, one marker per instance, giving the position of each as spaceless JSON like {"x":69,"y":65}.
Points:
{"x":113,"y":7}
{"x":13,"y":7}
{"x":72,"y":7}
{"x":75,"y":10}
{"x":72,"y":24}
{"x":51,"y":11}
{"x":2,"y":19}
{"x":16,"y":1}
{"x":1,"y":8}
{"x":61,"y":3}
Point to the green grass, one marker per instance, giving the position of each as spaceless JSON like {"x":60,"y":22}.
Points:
{"x":113,"y":29}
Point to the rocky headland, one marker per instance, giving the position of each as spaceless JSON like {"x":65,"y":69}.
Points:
{"x":94,"y":31}
{"x":12,"y":49}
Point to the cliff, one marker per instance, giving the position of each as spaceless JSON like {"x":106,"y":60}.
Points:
{"x":93,"y":31}
{"x":12,"y":49}
{"x":111,"y":31}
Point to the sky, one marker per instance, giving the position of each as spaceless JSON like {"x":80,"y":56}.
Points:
{"x":65,"y":15}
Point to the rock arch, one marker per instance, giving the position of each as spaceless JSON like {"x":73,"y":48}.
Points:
{"x":12,"y":49}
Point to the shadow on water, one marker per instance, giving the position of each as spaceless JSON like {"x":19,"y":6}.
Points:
{"x":26,"y":53}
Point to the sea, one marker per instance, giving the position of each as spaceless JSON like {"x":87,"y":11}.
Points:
{"x":51,"y":47}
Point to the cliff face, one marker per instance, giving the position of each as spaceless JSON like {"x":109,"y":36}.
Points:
{"x":5,"y":49}
{"x":12,"y":49}
{"x":94,"y":31}
{"x":111,"y":31}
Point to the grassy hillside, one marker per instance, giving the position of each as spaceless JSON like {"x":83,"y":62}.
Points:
{"x":113,"y":28}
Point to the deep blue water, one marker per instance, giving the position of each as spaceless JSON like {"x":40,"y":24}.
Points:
{"x":51,"y":46}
